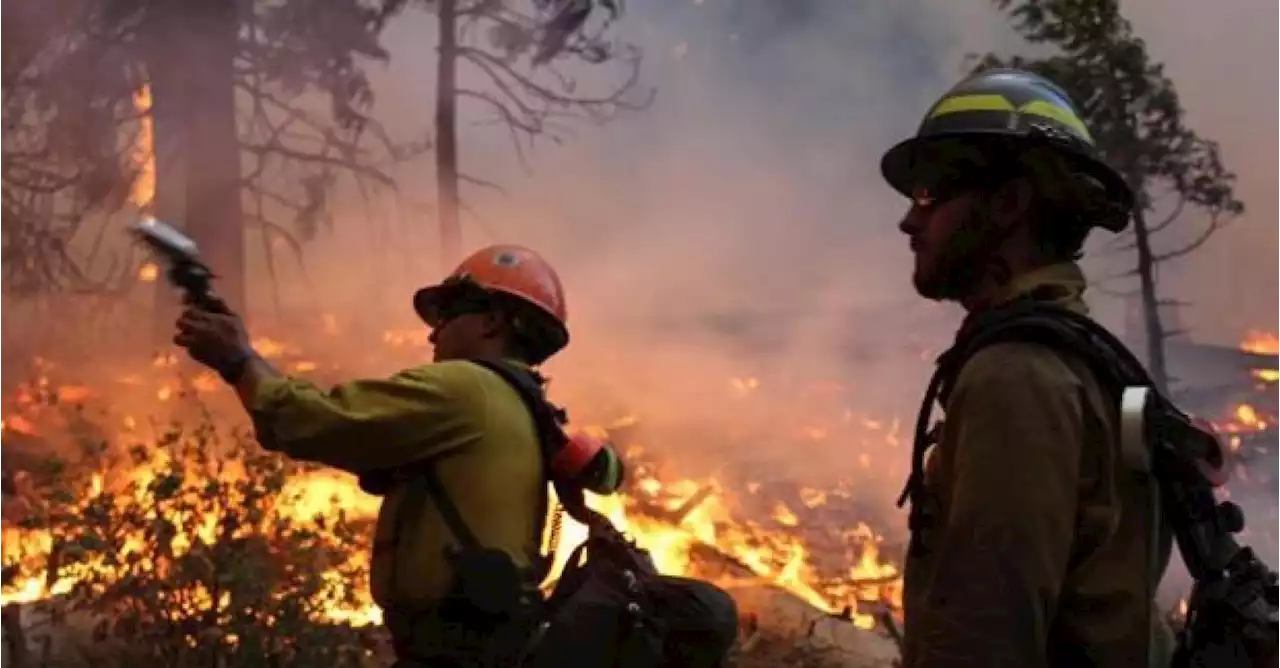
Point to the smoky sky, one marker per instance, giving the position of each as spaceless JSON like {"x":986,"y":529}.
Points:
{"x":739,"y":227}
{"x":1222,"y":56}
{"x":750,"y":183}
{"x":735,"y":228}
{"x":747,"y":201}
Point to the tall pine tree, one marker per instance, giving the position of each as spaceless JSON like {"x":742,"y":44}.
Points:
{"x":517,"y":49}
{"x":231,"y":88}
{"x":1133,"y":111}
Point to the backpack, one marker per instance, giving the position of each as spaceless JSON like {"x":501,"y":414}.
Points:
{"x":1231,"y":615}
{"x":601,"y":611}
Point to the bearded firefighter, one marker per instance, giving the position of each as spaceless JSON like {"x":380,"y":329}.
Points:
{"x":477,"y":439}
{"x":1032,"y":545}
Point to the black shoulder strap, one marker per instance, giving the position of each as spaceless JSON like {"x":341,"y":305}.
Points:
{"x":1203,"y":535}
{"x":422,"y":483}
{"x":1063,"y":330}
{"x":551,"y":437}
{"x":448,"y":511}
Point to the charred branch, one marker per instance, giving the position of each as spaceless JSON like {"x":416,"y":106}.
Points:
{"x":529,"y":109}
{"x":597,"y":107}
{"x":890,"y":624}
{"x":1112,"y":292}
{"x":482,"y":183}
{"x":1216,"y":220}
{"x":326,"y":147}
{"x":1178,"y":206}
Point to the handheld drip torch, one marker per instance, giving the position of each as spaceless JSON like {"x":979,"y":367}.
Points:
{"x":183,"y":267}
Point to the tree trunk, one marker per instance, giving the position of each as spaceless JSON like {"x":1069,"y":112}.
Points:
{"x":214,"y":217}
{"x":1153,"y":326}
{"x":447,"y":136}
{"x":167,"y":78}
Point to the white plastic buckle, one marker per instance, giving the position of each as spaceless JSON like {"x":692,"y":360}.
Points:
{"x":1133,"y":428}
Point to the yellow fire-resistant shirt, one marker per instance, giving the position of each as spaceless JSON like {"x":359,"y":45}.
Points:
{"x":489,"y":460}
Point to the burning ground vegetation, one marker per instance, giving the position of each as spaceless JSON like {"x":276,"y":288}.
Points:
{"x":141,"y":521}
{"x":1248,"y":424}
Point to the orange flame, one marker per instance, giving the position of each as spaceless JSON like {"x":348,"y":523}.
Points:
{"x":1261,"y":343}
{"x":143,"y":192}
{"x":669,"y":518}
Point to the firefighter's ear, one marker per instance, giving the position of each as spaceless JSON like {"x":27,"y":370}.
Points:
{"x":493,"y":324}
{"x":1011,"y":202}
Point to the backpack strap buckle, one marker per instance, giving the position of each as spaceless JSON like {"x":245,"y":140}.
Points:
{"x":1134,"y":404}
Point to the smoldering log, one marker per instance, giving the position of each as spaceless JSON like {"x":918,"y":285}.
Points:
{"x":778,"y":613}
{"x":680,"y":514}
{"x":54,"y":632}
{"x":820,"y":536}
{"x":766,"y":610}
{"x":891,"y":626}
{"x":712,"y":564}
{"x":13,"y":648}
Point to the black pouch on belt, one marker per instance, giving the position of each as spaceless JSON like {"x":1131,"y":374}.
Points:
{"x":490,"y":606}
{"x":488,"y":581}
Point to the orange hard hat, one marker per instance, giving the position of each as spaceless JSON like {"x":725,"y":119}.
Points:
{"x":514,"y":271}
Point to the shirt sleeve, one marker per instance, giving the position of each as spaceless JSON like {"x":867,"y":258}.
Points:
{"x":367,"y":425}
{"x":1015,"y":423}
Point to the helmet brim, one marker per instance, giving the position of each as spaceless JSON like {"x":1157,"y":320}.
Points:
{"x":427,"y":301}
{"x":903,"y":164}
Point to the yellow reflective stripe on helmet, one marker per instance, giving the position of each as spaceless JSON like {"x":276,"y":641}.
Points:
{"x":994,"y":102}
{"x":959,"y":103}
{"x":1062,"y":115}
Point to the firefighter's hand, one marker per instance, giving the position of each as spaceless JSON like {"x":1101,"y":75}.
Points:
{"x":216,"y":340}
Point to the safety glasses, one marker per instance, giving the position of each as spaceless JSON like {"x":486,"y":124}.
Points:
{"x":948,"y":169}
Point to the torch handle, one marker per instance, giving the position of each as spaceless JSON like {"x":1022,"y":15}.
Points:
{"x":207,"y":301}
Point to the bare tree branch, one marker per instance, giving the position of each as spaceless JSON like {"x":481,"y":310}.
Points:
{"x":1173,"y":215}
{"x":475,"y":181}
{"x":1112,"y":292}
{"x":1215,"y":222}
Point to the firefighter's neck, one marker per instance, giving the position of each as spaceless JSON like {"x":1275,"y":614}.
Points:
{"x":1015,"y":257}
{"x":490,"y":348}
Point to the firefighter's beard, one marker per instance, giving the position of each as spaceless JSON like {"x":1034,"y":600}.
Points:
{"x":959,"y":267}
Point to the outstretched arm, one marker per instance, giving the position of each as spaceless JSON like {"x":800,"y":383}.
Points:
{"x":256,"y":371}
{"x":363,"y":425}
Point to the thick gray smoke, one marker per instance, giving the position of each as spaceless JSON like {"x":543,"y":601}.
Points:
{"x":737,"y":228}
{"x":747,"y":200}
{"x":1222,"y":57}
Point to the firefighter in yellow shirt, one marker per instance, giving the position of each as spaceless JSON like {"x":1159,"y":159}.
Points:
{"x":503,"y":302}
{"x":471,"y":427}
